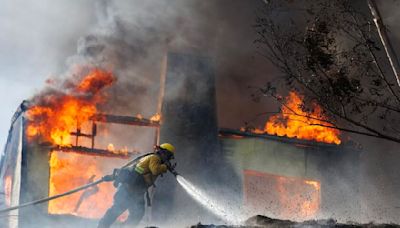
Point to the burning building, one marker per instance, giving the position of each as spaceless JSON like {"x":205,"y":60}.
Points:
{"x":295,"y":168}
{"x":53,"y":150}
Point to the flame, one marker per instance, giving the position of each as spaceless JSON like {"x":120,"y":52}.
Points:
{"x":285,"y":197}
{"x":111,"y":147}
{"x":257,"y":131}
{"x":139,"y":116}
{"x":315,"y":184}
{"x":305,"y":203}
{"x":123,"y":151}
{"x":71,"y":170}
{"x":58,"y":114}
{"x":53,"y":117}
{"x":301,"y":124}
{"x":156,"y":117}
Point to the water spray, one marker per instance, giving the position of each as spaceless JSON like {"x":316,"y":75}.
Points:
{"x":208,"y":203}
{"x":211,"y":205}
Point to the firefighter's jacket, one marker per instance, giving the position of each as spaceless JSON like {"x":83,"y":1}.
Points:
{"x":150,"y":167}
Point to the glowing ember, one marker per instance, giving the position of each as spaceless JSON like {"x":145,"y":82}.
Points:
{"x":123,"y":151}
{"x":258,"y":131}
{"x":71,"y":170}
{"x":139,"y":116}
{"x":293,"y":122}
{"x":111,"y":147}
{"x":58,"y":114}
{"x":156,"y":117}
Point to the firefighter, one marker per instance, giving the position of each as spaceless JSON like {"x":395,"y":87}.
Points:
{"x":133,"y":182}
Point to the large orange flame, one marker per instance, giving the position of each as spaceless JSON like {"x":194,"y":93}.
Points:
{"x":53,"y":117}
{"x":294,"y":122}
{"x":71,"y":170}
{"x":58,"y":114}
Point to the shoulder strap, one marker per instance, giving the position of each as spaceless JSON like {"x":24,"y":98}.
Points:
{"x":135,"y":160}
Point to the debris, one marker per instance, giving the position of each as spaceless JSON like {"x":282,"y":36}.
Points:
{"x":260,"y":221}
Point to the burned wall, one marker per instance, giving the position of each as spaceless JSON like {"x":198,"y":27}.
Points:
{"x":34,"y":183}
{"x":10,"y":171}
{"x":335,"y":169}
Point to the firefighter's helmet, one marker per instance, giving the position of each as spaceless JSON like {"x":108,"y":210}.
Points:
{"x":169,"y":147}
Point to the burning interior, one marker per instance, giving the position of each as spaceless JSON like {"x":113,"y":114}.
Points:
{"x":64,"y":141}
{"x":290,"y":197}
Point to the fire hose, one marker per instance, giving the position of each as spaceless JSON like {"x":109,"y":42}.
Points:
{"x":103,"y":179}
{"x":52,"y":197}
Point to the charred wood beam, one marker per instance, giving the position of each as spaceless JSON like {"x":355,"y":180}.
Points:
{"x":226,"y":132}
{"x":81,"y":134}
{"x":128,"y":120}
{"x":95,"y":152}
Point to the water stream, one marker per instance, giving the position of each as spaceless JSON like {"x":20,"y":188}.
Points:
{"x":210,"y":204}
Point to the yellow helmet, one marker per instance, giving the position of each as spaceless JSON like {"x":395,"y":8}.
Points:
{"x":168,"y":146}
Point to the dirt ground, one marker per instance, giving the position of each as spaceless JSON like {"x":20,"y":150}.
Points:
{"x":265,"y":222}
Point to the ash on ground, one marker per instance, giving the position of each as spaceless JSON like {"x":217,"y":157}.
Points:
{"x":260,"y":221}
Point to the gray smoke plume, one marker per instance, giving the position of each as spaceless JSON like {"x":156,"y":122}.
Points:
{"x":130,"y":38}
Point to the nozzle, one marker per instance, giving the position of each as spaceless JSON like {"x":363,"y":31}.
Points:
{"x":174,"y":172}
{"x":171,"y":168}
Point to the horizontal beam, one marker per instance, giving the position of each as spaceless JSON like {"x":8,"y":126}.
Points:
{"x":226,"y":132}
{"x":127,"y":120}
{"x":95,"y":152}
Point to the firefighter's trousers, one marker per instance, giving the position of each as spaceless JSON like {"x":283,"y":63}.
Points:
{"x":129,"y":198}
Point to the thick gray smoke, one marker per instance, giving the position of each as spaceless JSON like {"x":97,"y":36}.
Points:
{"x":131,"y":37}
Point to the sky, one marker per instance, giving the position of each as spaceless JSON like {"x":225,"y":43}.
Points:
{"x":36,"y":38}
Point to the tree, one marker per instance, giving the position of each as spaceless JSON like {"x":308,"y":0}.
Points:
{"x":330,"y":51}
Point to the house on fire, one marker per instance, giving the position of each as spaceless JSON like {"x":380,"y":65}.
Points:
{"x":273,"y":175}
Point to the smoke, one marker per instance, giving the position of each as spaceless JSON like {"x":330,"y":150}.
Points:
{"x":51,"y":39}
{"x":130,"y":38}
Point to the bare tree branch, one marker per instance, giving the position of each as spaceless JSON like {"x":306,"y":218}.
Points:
{"x":375,"y":59}
{"x":334,"y":62}
{"x":390,"y":53}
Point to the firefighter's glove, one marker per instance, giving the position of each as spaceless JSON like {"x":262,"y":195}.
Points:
{"x":121,"y":176}
{"x":171,"y":167}
{"x":116,"y":179}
